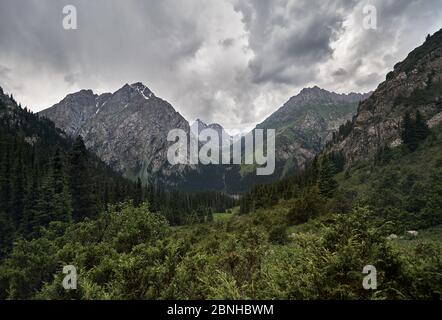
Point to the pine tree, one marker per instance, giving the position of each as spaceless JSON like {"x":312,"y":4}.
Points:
{"x":84,"y":201}
{"x":421,"y":129}
{"x":43,"y":212}
{"x":62,"y":197}
{"x":30,"y":209}
{"x":18,"y":189}
{"x":326,"y":182}
{"x":409,"y":132}
{"x":6,"y":234}
{"x":138,"y":195}
{"x":5,"y":181}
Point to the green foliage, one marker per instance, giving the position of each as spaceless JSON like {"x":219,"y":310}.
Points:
{"x":326,"y":182}
{"x":278,"y":234}
{"x":84,"y":202}
{"x":306,"y":207}
{"x":305,"y":237}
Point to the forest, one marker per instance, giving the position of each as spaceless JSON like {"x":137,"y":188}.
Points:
{"x":305,"y":237}
{"x":47,"y":177}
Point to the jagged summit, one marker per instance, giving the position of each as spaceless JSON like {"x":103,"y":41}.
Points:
{"x":306,"y":122}
{"x":318,"y":94}
{"x":314,"y":89}
{"x":198,"y":123}
{"x":142,"y":89}
{"x":127,"y":129}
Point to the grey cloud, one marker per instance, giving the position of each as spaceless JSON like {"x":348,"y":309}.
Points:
{"x":4,"y":71}
{"x":340,"y":73}
{"x":227,"y":42}
{"x":369,"y":80}
{"x":227,"y":61}
{"x":290,"y":35}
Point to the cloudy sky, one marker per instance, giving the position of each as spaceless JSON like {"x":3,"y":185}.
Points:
{"x":229,"y":61}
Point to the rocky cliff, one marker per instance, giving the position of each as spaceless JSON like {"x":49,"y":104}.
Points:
{"x":306,"y":122}
{"x":414,"y":84}
{"x":127,"y":129}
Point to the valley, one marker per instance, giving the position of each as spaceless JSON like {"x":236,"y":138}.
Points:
{"x":357,"y":183}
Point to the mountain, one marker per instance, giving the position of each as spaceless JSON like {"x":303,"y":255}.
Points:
{"x":127,"y":129}
{"x":199,"y":125}
{"x":45,"y":176}
{"x":72,"y":113}
{"x":306,"y":122}
{"x":414,"y":84}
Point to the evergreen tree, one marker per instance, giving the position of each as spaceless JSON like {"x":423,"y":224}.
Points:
{"x":30,"y":209}
{"x":84,"y":202}
{"x":421,"y":129}
{"x":18,"y":189}
{"x":138,"y":195}
{"x":326,"y":182}
{"x":6,"y":234}
{"x":44,"y":210}
{"x":62,"y":197}
{"x":5,"y":180}
{"x":409,"y":132}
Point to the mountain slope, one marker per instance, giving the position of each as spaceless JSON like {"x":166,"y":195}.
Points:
{"x":45,"y":176}
{"x":127,"y":129}
{"x":306,"y":122}
{"x":75,"y":110}
{"x":414,"y":84}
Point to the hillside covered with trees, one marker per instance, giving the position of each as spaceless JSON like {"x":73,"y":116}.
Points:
{"x":371,"y":197}
{"x":46,"y":177}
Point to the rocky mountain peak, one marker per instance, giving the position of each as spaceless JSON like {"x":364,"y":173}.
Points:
{"x":82,"y":97}
{"x":127,"y":129}
{"x":306,"y":122}
{"x":316,"y":94}
{"x":201,"y":125}
{"x":313,"y":91}
{"x":142,"y":90}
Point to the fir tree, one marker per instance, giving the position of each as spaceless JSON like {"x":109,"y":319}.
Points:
{"x":30,"y":209}
{"x":326,"y":182}
{"x":62,"y":197}
{"x":18,"y":189}
{"x":5,"y":180}
{"x":84,"y":202}
{"x":421,"y":129}
{"x":409,"y":132}
{"x":138,"y":195}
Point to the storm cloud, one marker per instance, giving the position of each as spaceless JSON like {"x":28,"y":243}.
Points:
{"x":229,"y":61}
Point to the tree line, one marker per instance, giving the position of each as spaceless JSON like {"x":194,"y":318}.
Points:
{"x":45,"y":177}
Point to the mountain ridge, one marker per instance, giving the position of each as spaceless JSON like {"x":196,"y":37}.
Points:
{"x":112,"y":125}
{"x":306,"y":122}
{"x":414,"y":84}
{"x":127,"y":128}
